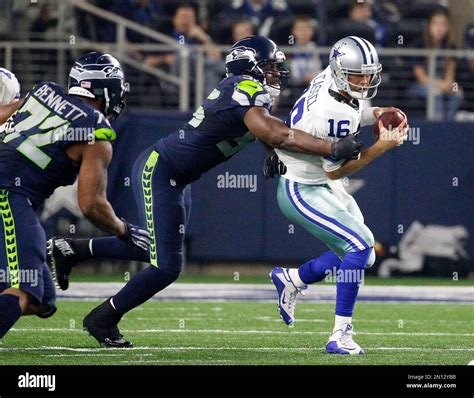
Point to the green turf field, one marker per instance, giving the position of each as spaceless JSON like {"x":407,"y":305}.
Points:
{"x":229,"y":333}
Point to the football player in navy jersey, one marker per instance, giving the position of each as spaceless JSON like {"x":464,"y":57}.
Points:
{"x":53,"y":137}
{"x":234,"y":114}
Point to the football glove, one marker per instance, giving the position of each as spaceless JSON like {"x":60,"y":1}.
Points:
{"x":136,"y":236}
{"x":346,"y":148}
{"x":273,"y":166}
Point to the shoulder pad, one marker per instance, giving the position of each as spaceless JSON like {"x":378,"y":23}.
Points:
{"x":250,"y":87}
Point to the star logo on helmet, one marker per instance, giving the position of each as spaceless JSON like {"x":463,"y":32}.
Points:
{"x":336,"y":53}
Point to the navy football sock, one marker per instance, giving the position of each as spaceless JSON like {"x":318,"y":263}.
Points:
{"x":10,"y":312}
{"x":81,"y":247}
{"x":349,"y":276}
{"x":317,"y":269}
{"x":113,"y":247}
{"x":142,"y":287}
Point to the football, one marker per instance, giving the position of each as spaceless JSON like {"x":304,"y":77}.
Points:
{"x":390,"y":120}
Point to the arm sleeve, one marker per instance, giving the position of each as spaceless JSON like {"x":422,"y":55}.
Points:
{"x":367,"y":116}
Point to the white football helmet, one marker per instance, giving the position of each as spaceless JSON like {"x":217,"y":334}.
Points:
{"x":354,"y":55}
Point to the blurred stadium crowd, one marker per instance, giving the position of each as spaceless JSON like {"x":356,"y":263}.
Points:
{"x":304,"y":25}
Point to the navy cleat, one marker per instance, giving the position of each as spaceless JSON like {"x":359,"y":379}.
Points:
{"x":108,"y":335}
{"x":61,"y":257}
{"x":340,"y":342}
{"x":287,"y":294}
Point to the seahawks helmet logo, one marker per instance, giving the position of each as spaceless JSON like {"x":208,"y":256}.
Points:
{"x":113,"y":71}
{"x":241,"y":53}
{"x":108,"y":72}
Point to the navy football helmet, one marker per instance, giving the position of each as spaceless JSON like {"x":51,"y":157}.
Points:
{"x":260,"y":58}
{"x":100,"y":76}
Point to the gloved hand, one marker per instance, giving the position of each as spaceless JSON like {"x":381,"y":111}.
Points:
{"x":273,"y":166}
{"x":135,"y":236}
{"x":346,"y":148}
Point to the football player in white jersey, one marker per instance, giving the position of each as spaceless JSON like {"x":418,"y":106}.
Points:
{"x":9,"y":87}
{"x":311,"y":193}
{"x":9,"y":94}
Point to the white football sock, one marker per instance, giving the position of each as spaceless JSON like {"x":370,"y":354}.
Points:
{"x":340,"y":321}
{"x":295,"y":277}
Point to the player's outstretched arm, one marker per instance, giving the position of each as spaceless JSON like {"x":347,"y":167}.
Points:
{"x":388,"y":139}
{"x":92,"y":194}
{"x":277,"y":134}
{"x":92,"y":186}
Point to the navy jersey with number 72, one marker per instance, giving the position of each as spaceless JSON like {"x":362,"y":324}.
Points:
{"x":33,"y":160}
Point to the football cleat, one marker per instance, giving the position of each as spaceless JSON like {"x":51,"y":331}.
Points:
{"x":61,"y":257}
{"x":107,"y":335}
{"x":287,"y":294}
{"x":340,"y":342}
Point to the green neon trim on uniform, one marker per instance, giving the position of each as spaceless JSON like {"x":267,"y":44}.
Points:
{"x":250,"y":87}
{"x":147,"y":186}
{"x":105,"y":134}
{"x":231,"y":147}
{"x":10,"y":239}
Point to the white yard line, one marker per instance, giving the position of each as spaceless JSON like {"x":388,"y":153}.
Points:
{"x":121,"y":352}
{"x":237,"y":331}
{"x":221,"y":292}
{"x":189,"y":361}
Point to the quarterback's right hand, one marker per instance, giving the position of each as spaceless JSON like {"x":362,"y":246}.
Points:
{"x":136,"y":236}
{"x":346,"y":148}
{"x":394,"y":137}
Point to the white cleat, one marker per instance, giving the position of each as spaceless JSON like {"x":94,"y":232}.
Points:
{"x":340,"y":342}
{"x":287,"y":294}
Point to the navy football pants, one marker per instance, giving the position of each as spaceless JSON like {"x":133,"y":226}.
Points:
{"x":23,"y":251}
{"x":164,"y":206}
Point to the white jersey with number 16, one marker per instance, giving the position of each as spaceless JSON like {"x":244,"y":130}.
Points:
{"x":324,"y":113}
